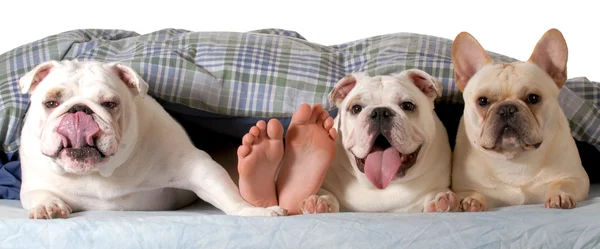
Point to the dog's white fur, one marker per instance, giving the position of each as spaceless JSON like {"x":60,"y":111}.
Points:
{"x":345,"y":187}
{"x":152,"y":164}
{"x":521,"y":174}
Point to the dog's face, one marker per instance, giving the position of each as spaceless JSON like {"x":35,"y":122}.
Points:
{"x":385,"y":122}
{"x":80,"y":110}
{"x":510,"y":107}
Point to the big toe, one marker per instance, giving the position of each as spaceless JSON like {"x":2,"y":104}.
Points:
{"x":302,"y":115}
{"x":275,"y":129}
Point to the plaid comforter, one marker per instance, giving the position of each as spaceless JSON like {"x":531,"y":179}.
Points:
{"x":263,"y":73}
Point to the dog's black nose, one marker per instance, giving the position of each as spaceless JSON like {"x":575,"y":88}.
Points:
{"x":382,"y":113}
{"x":507,"y":111}
{"x":80,"y":108}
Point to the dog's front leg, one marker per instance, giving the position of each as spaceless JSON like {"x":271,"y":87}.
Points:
{"x":43,"y":204}
{"x":211,"y":183}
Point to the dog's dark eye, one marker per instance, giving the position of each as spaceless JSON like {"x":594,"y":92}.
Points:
{"x":408,"y":106}
{"x":110,"y":104}
{"x":533,"y":98}
{"x":356,"y":109}
{"x":483,"y":101}
{"x":51,"y":104}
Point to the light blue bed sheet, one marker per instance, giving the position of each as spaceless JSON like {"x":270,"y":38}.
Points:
{"x":202,"y":226}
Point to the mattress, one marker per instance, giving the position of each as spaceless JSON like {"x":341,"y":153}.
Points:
{"x":202,"y":226}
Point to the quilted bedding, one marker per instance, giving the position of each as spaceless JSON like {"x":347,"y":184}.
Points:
{"x":263,"y":73}
{"x":201,"y":226}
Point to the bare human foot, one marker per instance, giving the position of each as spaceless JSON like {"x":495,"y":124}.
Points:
{"x":309,"y":151}
{"x":258,"y":158}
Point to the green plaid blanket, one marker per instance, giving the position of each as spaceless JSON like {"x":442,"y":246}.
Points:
{"x":263,"y":73}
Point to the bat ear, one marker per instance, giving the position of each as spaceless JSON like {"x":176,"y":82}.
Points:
{"x":468,"y":56}
{"x":551,"y":54}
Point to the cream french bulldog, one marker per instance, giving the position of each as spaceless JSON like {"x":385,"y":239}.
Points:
{"x":94,"y":140}
{"x":392,"y":151}
{"x":514,"y":144}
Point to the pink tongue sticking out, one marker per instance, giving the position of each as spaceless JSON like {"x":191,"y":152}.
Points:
{"x":78,"y":130}
{"x":381,"y":166}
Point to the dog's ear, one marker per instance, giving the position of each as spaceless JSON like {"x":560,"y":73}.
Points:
{"x":468,"y":56}
{"x":33,"y":78}
{"x":342,"y":88}
{"x":130,"y":78}
{"x":428,"y":84}
{"x":550,"y":54}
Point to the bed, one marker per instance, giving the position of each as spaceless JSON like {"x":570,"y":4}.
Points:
{"x":222,"y":83}
{"x":202,"y":226}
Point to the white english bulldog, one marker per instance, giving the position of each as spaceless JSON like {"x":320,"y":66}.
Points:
{"x":94,"y":140}
{"x":392,"y":151}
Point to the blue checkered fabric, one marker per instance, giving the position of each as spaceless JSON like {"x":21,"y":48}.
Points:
{"x":263,"y":73}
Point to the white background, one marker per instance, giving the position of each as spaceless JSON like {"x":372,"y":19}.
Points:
{"x":510,"y":27}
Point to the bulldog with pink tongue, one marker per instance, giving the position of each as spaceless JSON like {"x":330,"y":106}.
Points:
{"x":93,"y":139}
{"x":393,"y":153}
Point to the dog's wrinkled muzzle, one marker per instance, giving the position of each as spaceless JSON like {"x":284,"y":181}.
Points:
{"x":78,"y":129}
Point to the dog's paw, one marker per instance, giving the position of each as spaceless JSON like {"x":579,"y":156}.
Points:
{"x":314,"y":205}
{"x":560,"y":200}
{"x":470,"y":204}
{"x":258,"y":211}
{"x":444,"y":202}
{"x":51,"y":209}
